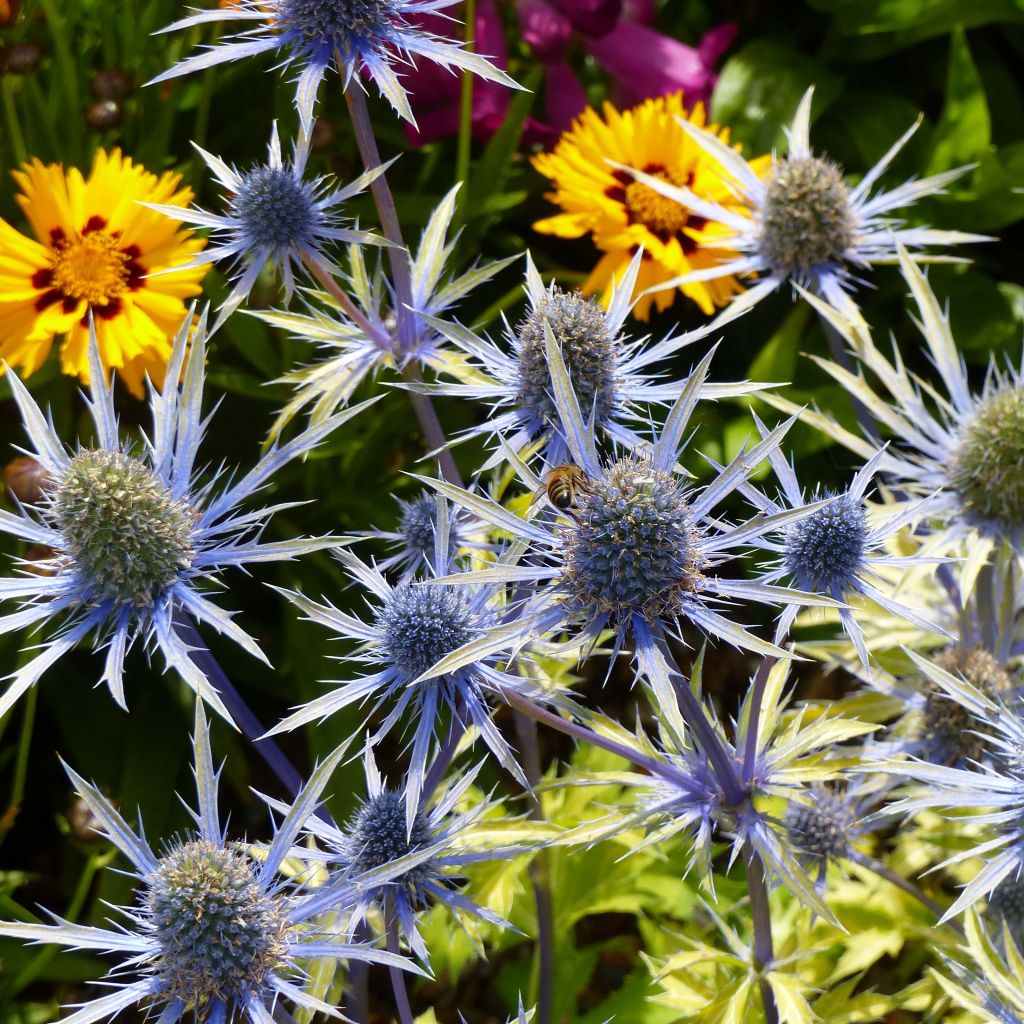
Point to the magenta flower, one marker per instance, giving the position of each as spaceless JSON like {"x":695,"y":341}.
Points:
{"x":641,"y":62}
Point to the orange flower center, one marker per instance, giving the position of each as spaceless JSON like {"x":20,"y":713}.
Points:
{"x":92,"y":266}
{"x":655,"y":211}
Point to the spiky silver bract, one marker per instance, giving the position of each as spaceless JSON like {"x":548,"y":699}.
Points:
{"x":274,"y":215}
{"x":355,"y":349}
{"x":354,"y":39}
{"x":804,"y":222}
{"x":214,"y":929}
{"x":138,"y":536}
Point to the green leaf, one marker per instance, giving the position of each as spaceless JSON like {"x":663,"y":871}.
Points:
{"x":777,"y":359}
{"x":964,"y":131}
{"x":759,"y":89}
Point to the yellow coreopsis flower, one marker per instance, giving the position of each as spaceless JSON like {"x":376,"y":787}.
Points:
{"x":96,"y":250}
{"x":622,"y":214}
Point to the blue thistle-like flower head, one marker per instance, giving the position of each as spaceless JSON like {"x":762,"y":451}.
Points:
{"x":275,"y":214}
{"x":826,"y":551}
{"x":354,"y":37}
{"x":804,"y":222}
{"x":219,"y":934}
{"x":823,"y":827}
{"x":419,"y":857}
{"x":1006,"y":902}
{"x":634,"y":547}
{"x":137,"y":538}
{"x":214,"y":929}
{"x":414,"y":625}
{"x":613,"y":374}
{"x":420,"y":623}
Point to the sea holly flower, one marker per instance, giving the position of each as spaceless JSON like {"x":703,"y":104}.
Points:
{"x":274,"y":215}
{"x":413,"y":537}
{"x":623,"y":215}
{"x":441,"y":835}
{"x":358,"y":342}
{"x":615,"y":376}
{"x":213,"y":929}
{"x":841,"y":548}
{"x":639,"y":553}
{"x":989,"y":792}
{"x":679,"y":792}
{"x":95,"y":254}
{"x":136,"y":537}
{"x":415,"y":623}
{"x":799,"y":219}
{"x":960,"y":448}
{"x":314,"y":37}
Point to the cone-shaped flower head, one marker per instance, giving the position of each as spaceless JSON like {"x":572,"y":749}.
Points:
{"x":803,"y":221}
{"x":274,"y":214}
{"x":135,"y":536}
{"x":614,"y":376}
{"x":960,"y":449}
{"x":352,"y":37}
{"x":434,"y":844}
{"x":213,"y":929}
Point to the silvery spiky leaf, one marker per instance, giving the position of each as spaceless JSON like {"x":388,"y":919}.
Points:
{"x":353,"y":350}
{"x":274,"y":215}
{"x":615,"y":376}
{"x":984,"y":980}
{"x":805,"y":223}
{"x":213,"y":929}
{"x":139,"y":537}
{"x":638,"y":554}
{"x":959,"y":448}
{"x":415,"y":624}
{"x":353,"y":39}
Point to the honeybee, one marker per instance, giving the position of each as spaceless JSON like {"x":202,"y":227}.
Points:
{"x":561,"y":486}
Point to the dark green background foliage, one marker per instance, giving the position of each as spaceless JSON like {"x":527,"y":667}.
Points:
{"x":876,"y":63}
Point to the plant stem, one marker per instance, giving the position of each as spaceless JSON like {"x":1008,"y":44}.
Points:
{"x":760,"y":911}
{"x":56,"y":22}
{"x":540,"y":876}
{"x":884,"y":871}
{"x":352,"y":311}
{"x":241,"y":713}
{"x":11,"y":117}
{"x":21,"y":762}
{"x":582,"y":733}
{"x":465,"y":141}
{"x":441,"y":762}
{"x":433,"y":432}
{"x":385,"y":202}
{"x":754,"y":721}
{"x":397,"y":974}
